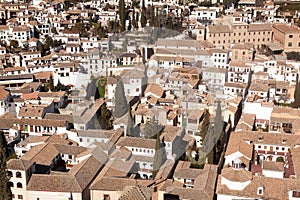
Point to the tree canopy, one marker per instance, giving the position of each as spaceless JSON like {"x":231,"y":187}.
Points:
{"x":159,"y":156}
{"x":5,"y":193}
{"x":205,"y":124}
{"x":296,"y":103}
{"x":121,"y":106}
{"x":105,"y":118}
{"x":143,"y":15}
{"x":122,"y":14}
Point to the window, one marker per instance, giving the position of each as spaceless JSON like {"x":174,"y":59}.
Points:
{"x":289,"y":44}
{"x":9,"y":174}
{"x":296,"y":194}
{"x":106,"y":197}
{"x":70,"y":156}
{"x":19,"y":185}
{"x":20,"y":196}
{"x":260,"y":191}
{"x":18,"y":175}
{"x":290,"y":36}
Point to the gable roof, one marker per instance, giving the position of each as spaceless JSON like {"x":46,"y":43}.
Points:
{"x":137,"y":142}
{"x":16,"y":164}
{"x":3,"y":93}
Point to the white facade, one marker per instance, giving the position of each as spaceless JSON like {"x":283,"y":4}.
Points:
{"x":43,"y":195}
{"x":259,"y":109}
{"x":274,"y":174}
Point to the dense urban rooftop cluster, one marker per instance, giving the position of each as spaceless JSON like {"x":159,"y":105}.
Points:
{"x":150,"y":100}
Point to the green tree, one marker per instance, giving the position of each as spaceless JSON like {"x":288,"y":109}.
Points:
{"x":143,"y":15}
{"x":159,"y":156}
{"x":5,"y":192}
{"x":122,"y":14}
{"x":218,"y":121}
{"x":133,"y":19}
{"x":107,"y":7}
{"x":121,"y":106}
{"x":205,"y":124}
{"x":53,"y":30}
{"x":170,"y":24}
{"x":51,"y":83}
{"x":14,"y":43}
{"x":58,"y":86}
{"x":105,"y":118}
{"x":130,"y":125}
{"x":213,"y":136}
{"x":36,"y":33}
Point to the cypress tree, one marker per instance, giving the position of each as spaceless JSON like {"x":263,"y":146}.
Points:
{"x":130,"y":125}
{"x":152,"y":16}
{"x":218,"y":122}
{"x":159,"y":156}
{"x":205,"y":124}
{"x":104,"y":118}
{"x":122,"y":14}
{"x":121,"y":106}
{"x":5,"y":192}
{"x":296,"y":103}
{"x":213,"y":135}
{"x":143,"y":15}
{"x":133,"y":20}
{"x":51,"y":83}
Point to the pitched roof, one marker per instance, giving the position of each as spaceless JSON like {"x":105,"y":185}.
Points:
{"x":137,"y":142}
{"x":154,"y":89}
{"x":219,"y":29}
{"x":273,"y":166}
{"x":53,"y":183}
{"x":16,"y":164}
{"x":43,"y":154}
{"x":3,"y":93}
{"x":260,"y":27}
{"x":273,"y":188}
{"x":116,"y":184}
{"x":31,"y":111}
{"x":285,"y":28}
{"x":136,"y":193}
{"x":237,"y":144}
{"x":236,"y":175}
{"x":76,"y":180}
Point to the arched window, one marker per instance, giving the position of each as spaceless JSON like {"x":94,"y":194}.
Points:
{"x":19,"y":185}
{"x":9,"y":174}
{"x":18,"y":175}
